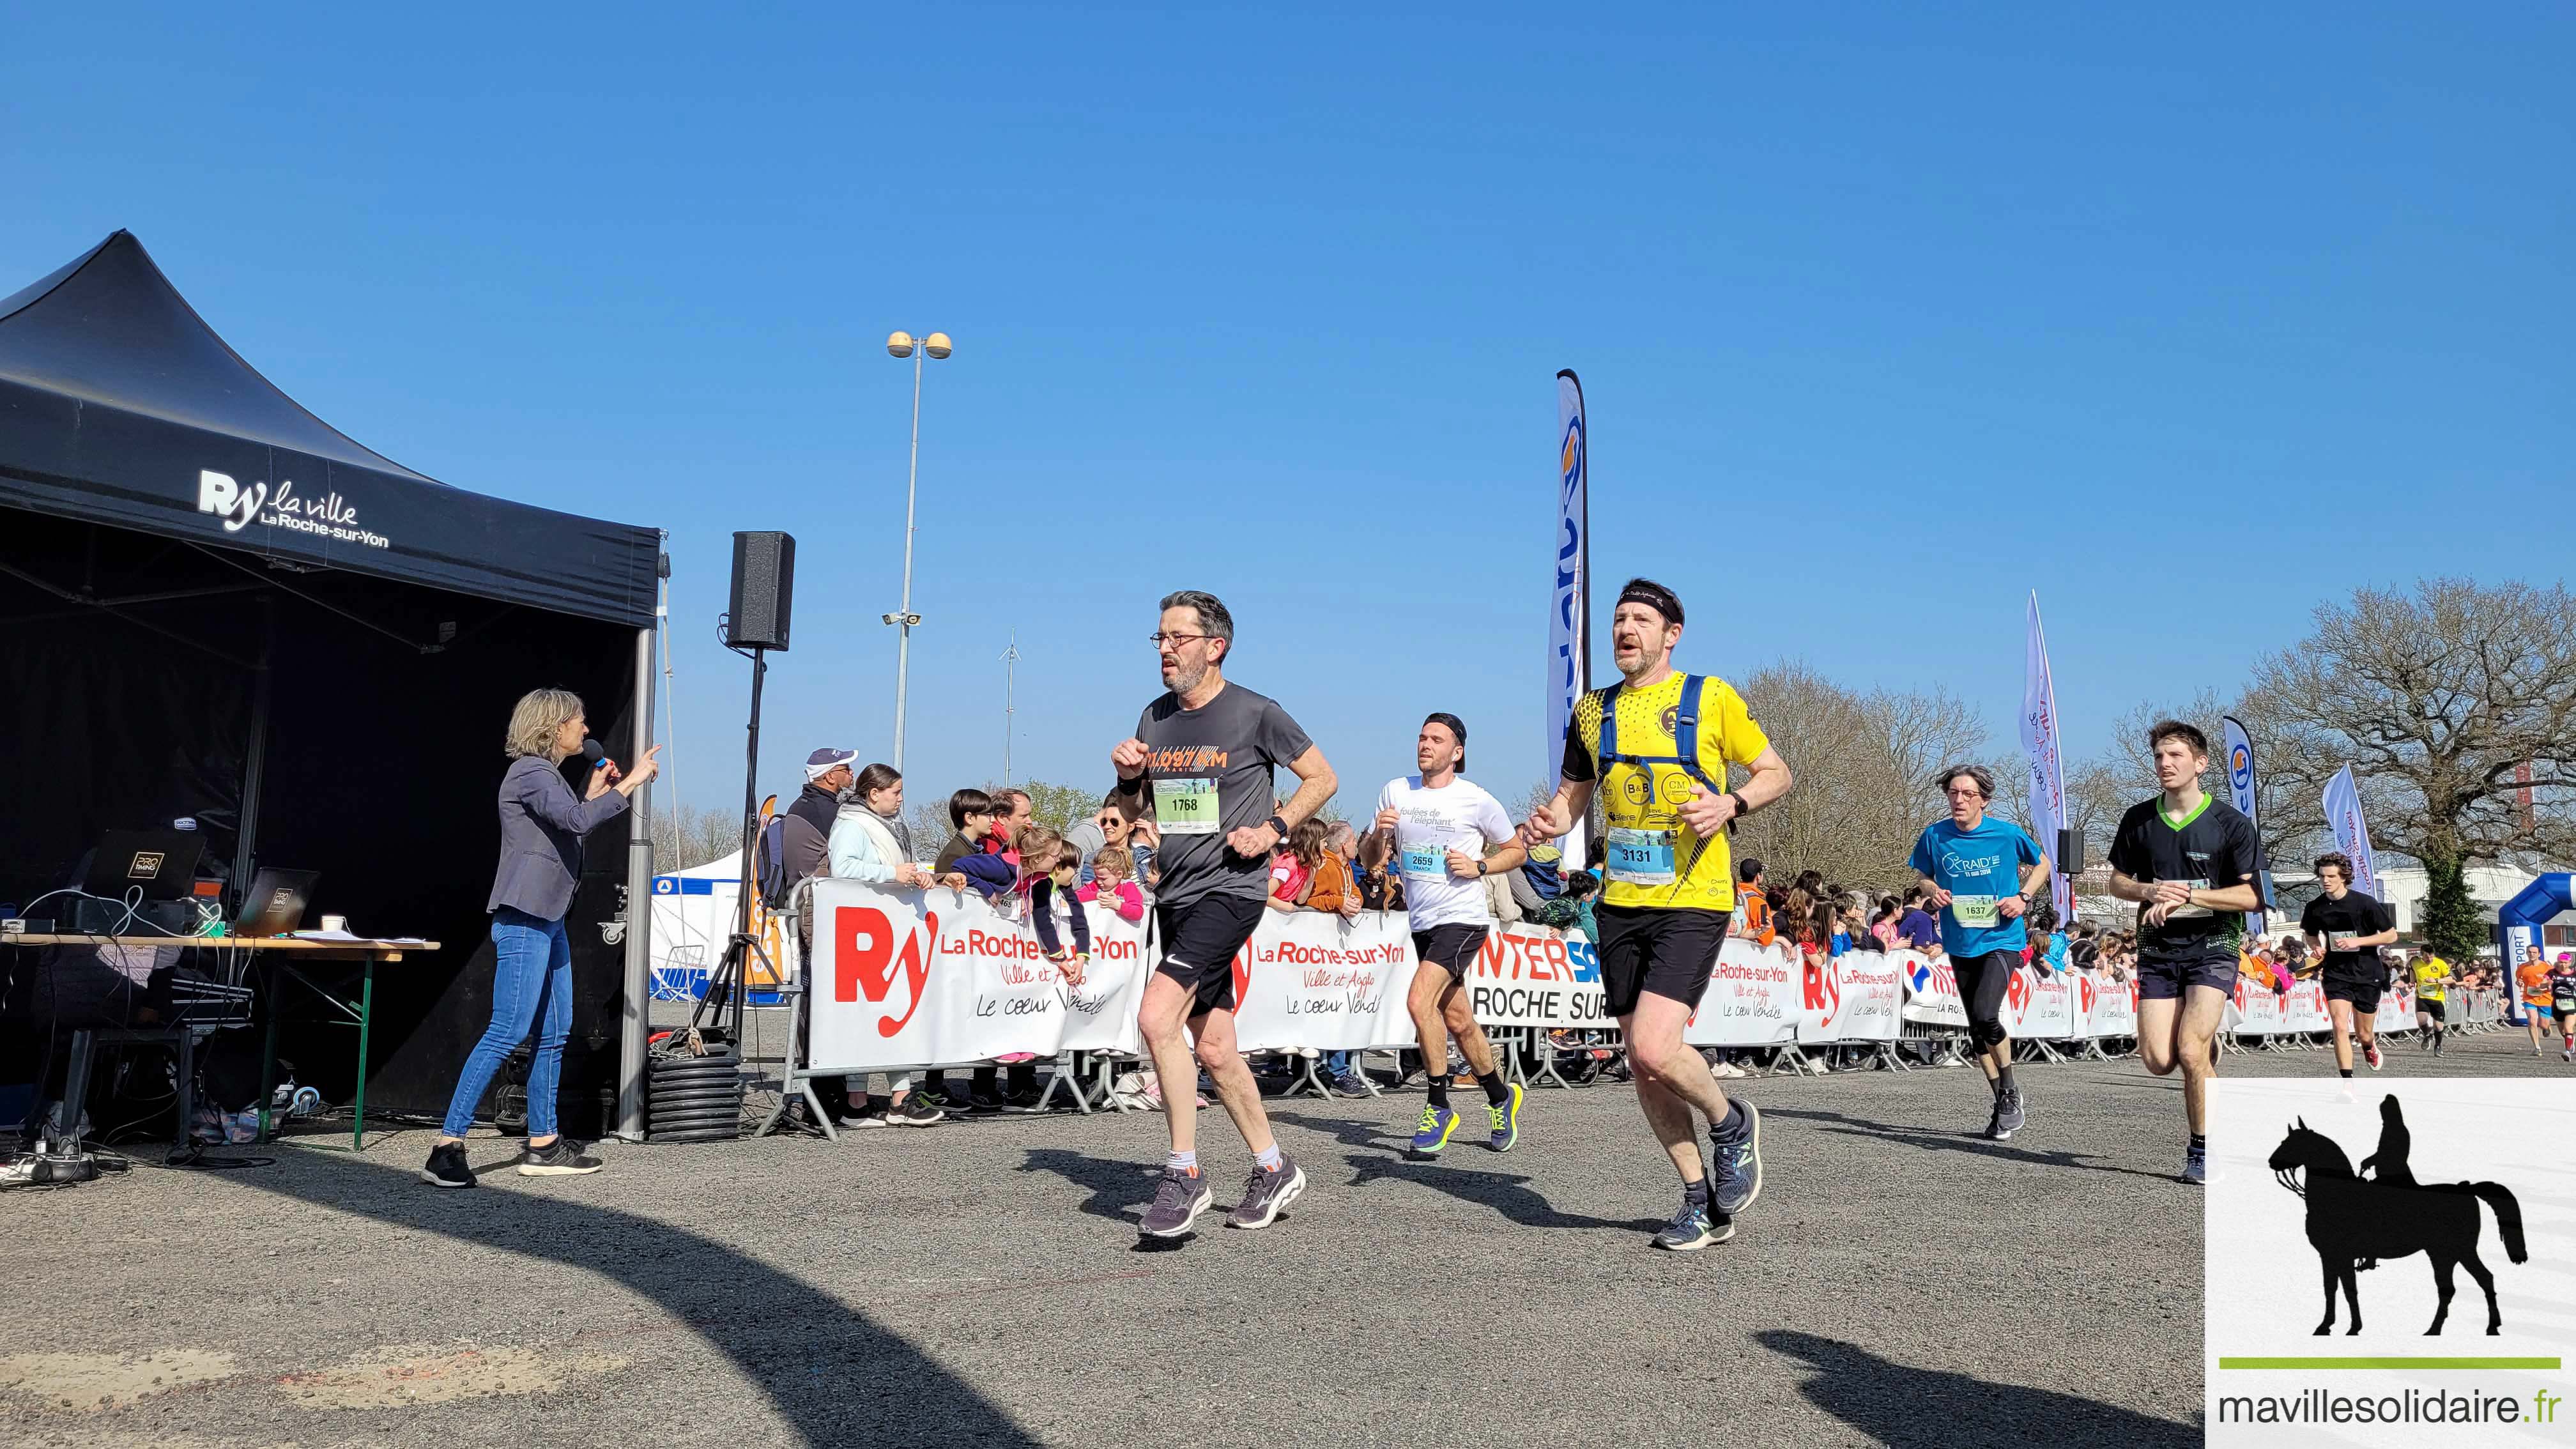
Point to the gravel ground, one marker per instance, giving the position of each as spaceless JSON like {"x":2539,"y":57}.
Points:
{"x":1901,"y":1281}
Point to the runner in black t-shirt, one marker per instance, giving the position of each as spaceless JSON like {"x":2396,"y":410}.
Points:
{"x":2349,"y":928}
{"x":2195,"y":865}
{"x":1201,"y":763}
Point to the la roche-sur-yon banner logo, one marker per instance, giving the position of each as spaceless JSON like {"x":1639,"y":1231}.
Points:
{"x":238,"y":506}
{"x":2390,"y":1261}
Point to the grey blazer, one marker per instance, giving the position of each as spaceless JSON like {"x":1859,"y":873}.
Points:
{"x":542,"y":823}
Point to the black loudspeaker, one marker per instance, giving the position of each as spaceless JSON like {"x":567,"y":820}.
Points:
{"x":2070,"y":852}
{"x":764,"y":579}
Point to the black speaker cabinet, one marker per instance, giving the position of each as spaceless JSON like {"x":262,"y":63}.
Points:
{"x":764,"y":578}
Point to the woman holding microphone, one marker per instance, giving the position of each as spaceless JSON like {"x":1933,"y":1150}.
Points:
{"x":542,"y":826}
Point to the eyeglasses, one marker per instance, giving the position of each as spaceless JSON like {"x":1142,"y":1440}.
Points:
{"x":1175,"y":640}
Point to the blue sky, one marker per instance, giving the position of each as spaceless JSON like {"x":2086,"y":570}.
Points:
{"x":2188,"y":318}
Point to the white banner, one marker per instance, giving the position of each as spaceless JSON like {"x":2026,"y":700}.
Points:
{"x":928,"y":978}
{"x":2396,"y":1010}
{"x":2104,"y":1007}
{"x":2304,"y":1009}
{"x":934,"y":978}
{"x":1855,"y":998}
{"x":1931,"y":991}
{"x":1569,"y":610}
{"x":1312,"y":979}
{"x":2039,"y":1005}
{"x":1527,"y":977}
{"x":2352,"y":837}
{"x":2047,"y":767}
{"x":2252,"y":1010}
{"x":1752,"y":1000}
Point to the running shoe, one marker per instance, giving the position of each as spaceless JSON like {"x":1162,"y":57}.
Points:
{"x":446,"y":1167}
{"x":913,"y":1111}
{"x":1507,"y":1121}
{"x":562,"y":1157}
{"x":1267,"y":1193}
{"x":979,"y":1105}
{"x":1693,"y":1229}
{"x":2370,"y":1054}
{"x":2195,"y":1165}
{"x":2009,"y":1116}
{"x":1433,"y":1134}
{"x":1350,"y":1084}
{"x":1025,"y":1104}
{"x":1738,"y":1162}
{"x":1177,"y":1203}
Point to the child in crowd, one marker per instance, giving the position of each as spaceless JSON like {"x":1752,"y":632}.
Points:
{"x":1047,"y":873}
{"x":1292,"y":866}
{"x":962,"y":863}
{"x":1113,"y":870}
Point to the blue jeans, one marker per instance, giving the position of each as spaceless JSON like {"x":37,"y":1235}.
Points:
{"x":1338,"y":1064}
{"x":531,"y":985}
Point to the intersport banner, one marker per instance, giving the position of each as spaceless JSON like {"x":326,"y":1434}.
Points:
{"x":1931,"y":991}
{"x":1528,"y":978}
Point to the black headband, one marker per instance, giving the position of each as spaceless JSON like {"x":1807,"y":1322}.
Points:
{"x":1658,"y":599}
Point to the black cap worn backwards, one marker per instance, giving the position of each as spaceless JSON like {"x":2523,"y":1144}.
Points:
{"x":1457,"y":727}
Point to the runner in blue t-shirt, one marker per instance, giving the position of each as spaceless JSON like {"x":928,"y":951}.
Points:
{"x":1983,"y":874}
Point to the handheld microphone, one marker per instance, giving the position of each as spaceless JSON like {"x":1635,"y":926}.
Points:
{"x":597,"y":754}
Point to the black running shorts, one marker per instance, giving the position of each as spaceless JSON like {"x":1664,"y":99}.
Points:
{"x":2361,"y":988}
{"x":1200,"y":941}
{"x":1667,"y":950}
{"x":1451,"y":947}
{"x":1982,"y":980}
{"x":2433,"y":1009}
{"x":2165,"y":980}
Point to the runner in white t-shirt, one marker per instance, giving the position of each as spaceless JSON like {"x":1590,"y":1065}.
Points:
{"x":1447,"y":835}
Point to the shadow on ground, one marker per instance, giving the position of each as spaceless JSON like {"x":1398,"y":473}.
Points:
{"x":833,"y":1376}
{"x":1955,"y":1142}
{"x":1894,"y":1403}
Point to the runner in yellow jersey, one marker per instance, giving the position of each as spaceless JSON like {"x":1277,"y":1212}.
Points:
{"x":1656,"y":747}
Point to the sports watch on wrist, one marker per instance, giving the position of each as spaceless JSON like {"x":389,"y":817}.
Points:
{"x":1278,"y":824}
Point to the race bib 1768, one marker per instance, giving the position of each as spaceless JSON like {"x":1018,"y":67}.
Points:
{"x":1186,"y":807}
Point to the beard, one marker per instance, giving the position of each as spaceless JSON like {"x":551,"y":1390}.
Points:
{"x":1186,"y":677}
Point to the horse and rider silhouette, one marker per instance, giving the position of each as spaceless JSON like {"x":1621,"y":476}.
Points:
{"x":2354,"y":1222}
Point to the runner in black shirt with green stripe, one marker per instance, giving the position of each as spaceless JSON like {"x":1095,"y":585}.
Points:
{"x":2195,"y":865}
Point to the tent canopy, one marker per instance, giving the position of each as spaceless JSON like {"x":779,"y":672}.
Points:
{"x":120,"y":406}
{"x":214,"y":605}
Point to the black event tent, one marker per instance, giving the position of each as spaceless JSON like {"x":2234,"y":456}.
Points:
{"x":214,"y":604}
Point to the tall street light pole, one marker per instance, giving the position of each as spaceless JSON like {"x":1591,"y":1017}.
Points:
{"x":900,"y":344}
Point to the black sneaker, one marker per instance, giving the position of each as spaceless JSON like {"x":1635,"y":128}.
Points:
{"x":866,"y":1116}
{"x":980,"y":1105}
{"x":2009,"y":1117}
{"x":562,"y":1157}
{"x":1737,"y":1159}
{"x":1694,"y":1228}
{"x":913,"y":1111}
{"x":446,"y":1167}
{"x":1024,"y":1104}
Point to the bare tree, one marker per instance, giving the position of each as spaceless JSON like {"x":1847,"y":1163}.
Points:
{"x":1864,"y":765}
{"x":688,"y":836}
{"x":2437,"y":699}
